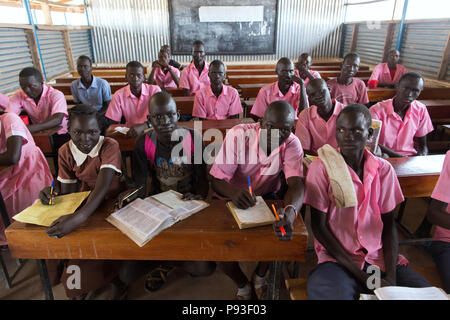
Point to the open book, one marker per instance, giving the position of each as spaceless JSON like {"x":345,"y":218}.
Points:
{"x":259,"y":215}
{"x":143,"y":219}
{"x":406,"y":293}
{"x":372,"y":143}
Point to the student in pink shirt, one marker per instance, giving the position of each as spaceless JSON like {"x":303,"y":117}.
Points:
{"x":195,"y":76}
{"x":346,"y":88}
{"x":349,"y":240}
{"x":27,"y":171}
{"x":45,"y":106}
{"x":387,"y":74}
{"x":165,"y":75}
{"x":255,"y":157}
{"x":4,"y":101}
{"x":217,"y":101}
{"x":131,"y":102}
{"x":439,"y":214}
{"x":302,"y":68}
{"x":289,"y":88}
{"x":316,"y":125}
{"x":405,"y":120}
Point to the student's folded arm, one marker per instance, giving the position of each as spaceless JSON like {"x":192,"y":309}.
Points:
{"x":234,"y":116}
{"x":437,"y":215}
{"x":13,"y":151}
{"x":53,"y":121}
{"x":390,"y":152}
{"x":421,"y":145}
{"x":151,"y":77}
{"x":390,"y":247}
{"x":174,"y":77}
{"x":324,"y":235}
{"x":295,"y":193}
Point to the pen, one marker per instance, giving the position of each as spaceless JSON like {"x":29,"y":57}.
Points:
{"x":51,"y":192}
{"x":132,"y":193}
{"x":249,"y":186}
{"x":278,"y":219}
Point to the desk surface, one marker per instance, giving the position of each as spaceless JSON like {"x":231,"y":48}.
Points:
{"x":211,"y":234}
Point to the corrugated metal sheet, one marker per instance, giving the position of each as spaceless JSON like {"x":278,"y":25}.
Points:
{"x":370,"y":42}
{"x":135,"y":30}
{"x":347,"y":38}
{"x":14,"y":56}
{"x":423,"y":45}
{"x":80,"y":41}
{"x":53,"y":52}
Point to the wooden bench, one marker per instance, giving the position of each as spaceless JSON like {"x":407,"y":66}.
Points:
{"x":65,"y":87}
{"x":297,"y":288}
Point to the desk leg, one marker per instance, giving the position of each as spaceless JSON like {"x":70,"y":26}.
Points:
{"x":275,"y":280}
{"x":45,"y":279}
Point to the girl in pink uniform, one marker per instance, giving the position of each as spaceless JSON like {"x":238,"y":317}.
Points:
{"x":27,"y":171}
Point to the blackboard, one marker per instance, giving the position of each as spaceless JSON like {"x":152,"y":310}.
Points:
{"x":223,"y":37}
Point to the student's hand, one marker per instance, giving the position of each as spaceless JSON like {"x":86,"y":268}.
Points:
{"x":191,"y":196}
{"x":65,"y":225}
{"x":163,"y":65}
{"x":300,"y":81}
{"x":287,"y":219}
{"x":302,"y":70}
{"x":136,"y":130}
{"x":155,"y":64}
{"x":123,"y":199}
{"x":45,"y":195}
{"x":243,"y":199}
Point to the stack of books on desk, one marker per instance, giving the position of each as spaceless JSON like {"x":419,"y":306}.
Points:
{"x":143,"y":219}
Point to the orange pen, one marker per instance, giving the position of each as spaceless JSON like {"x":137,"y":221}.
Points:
{"x":278,"y":219}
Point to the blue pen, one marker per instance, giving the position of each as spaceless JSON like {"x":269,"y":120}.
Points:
{"x":249,"y":186}
{"x":51,"y":191}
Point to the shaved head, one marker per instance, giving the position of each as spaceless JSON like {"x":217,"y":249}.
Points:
{"x":161,"y":100}
{"x":280,"y":111}
{"x":283,"y":61}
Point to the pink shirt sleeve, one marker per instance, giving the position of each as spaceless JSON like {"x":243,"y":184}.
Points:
{"x":4,"y":101}
{"x":440,"y":191}
{"x":362,"y":93}
{"x":114,"y":111}
{"x":199,"y":106}
{"x":14,"y":126}
{"x":260,"y":105}
{"x":235,"y":103}
{"x":184,"y":81}
{"x":58,"y":102}
{"x":301,"y":130}
{"x":375,"y":73}
{"x":292,"y":160}
{"x":425,"y":125}
{"x":15,"y":103}
{"x":390,"y":191}
{"x":225,"y":163}
{"x":316,"y":187}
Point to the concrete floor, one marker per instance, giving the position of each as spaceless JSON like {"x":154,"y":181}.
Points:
{"x":180,"y":285}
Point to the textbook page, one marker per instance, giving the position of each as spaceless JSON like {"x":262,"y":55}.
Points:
{"x":406,"y":293}
{"x":123,"y":130}
{"x":258,"y":214}
{"x":44,"y":215}
{"x":171,"y":199}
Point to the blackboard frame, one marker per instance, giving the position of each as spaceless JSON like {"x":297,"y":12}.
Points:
{"x":174,"y":52}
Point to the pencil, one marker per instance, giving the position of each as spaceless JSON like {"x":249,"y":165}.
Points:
{"x":51,"y":192}
{"x":278,"y":219}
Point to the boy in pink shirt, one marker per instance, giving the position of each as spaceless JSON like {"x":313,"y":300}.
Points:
{"x":405,"y":120}
{"x":131,"y":101}
{"x":4,"y":101}
{"x":165,"y":75}
{"x":387,"y":74}
{"x":45,"y":106}
{"x":27,"y":171}
{"x":316,"y":125}
{"x":217,"y":101}
{"x":439,"y":214}
{"x":195,"y":76}
{"x":289,"y":88}
{"x":248,"y":153}
{"x":302,"y":68}
{"x":349,"y":240}
{"x":346,"y":88}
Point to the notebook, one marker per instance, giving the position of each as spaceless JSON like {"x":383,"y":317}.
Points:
{"x":372,"y":143}
{"x":143,"y":219}
{"x":259,"y":215}
{"x":44,"y":215}
{"x":406,"y":293}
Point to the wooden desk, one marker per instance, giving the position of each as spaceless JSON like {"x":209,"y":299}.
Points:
{"x":127,"y":144}
{"x":43,"y":139}
{"x":418,"y":175}
{"x":184,"y":104}
{"x":428,"y":93}
{"x":176,"y":92}
{"x":210,"y":235}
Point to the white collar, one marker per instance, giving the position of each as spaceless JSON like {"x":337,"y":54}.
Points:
{"x":81,"y":157}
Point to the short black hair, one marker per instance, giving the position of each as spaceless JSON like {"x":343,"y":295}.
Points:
{"x":198,"y":43}
{"x":357,"y":108}
{"x":217,"y":63}
{"x":83,"y":57}
{"x":29,"y":72}
{"x":283,"y":60}
{"x":412,"y":74}
{"x":351,"y":55}
{"x":134,"y":64}
{"x":84,"y":110}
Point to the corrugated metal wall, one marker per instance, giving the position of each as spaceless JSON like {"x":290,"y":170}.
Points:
{"x":423,"y":45}
{"x":370,"y":42}
{"x":421,"y":49}
{"x":347,"y":38}
{"x":135,"y":30}
{"x":53,"y":52}
{"x":80,"y":42}
{"x":14,"y":56}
